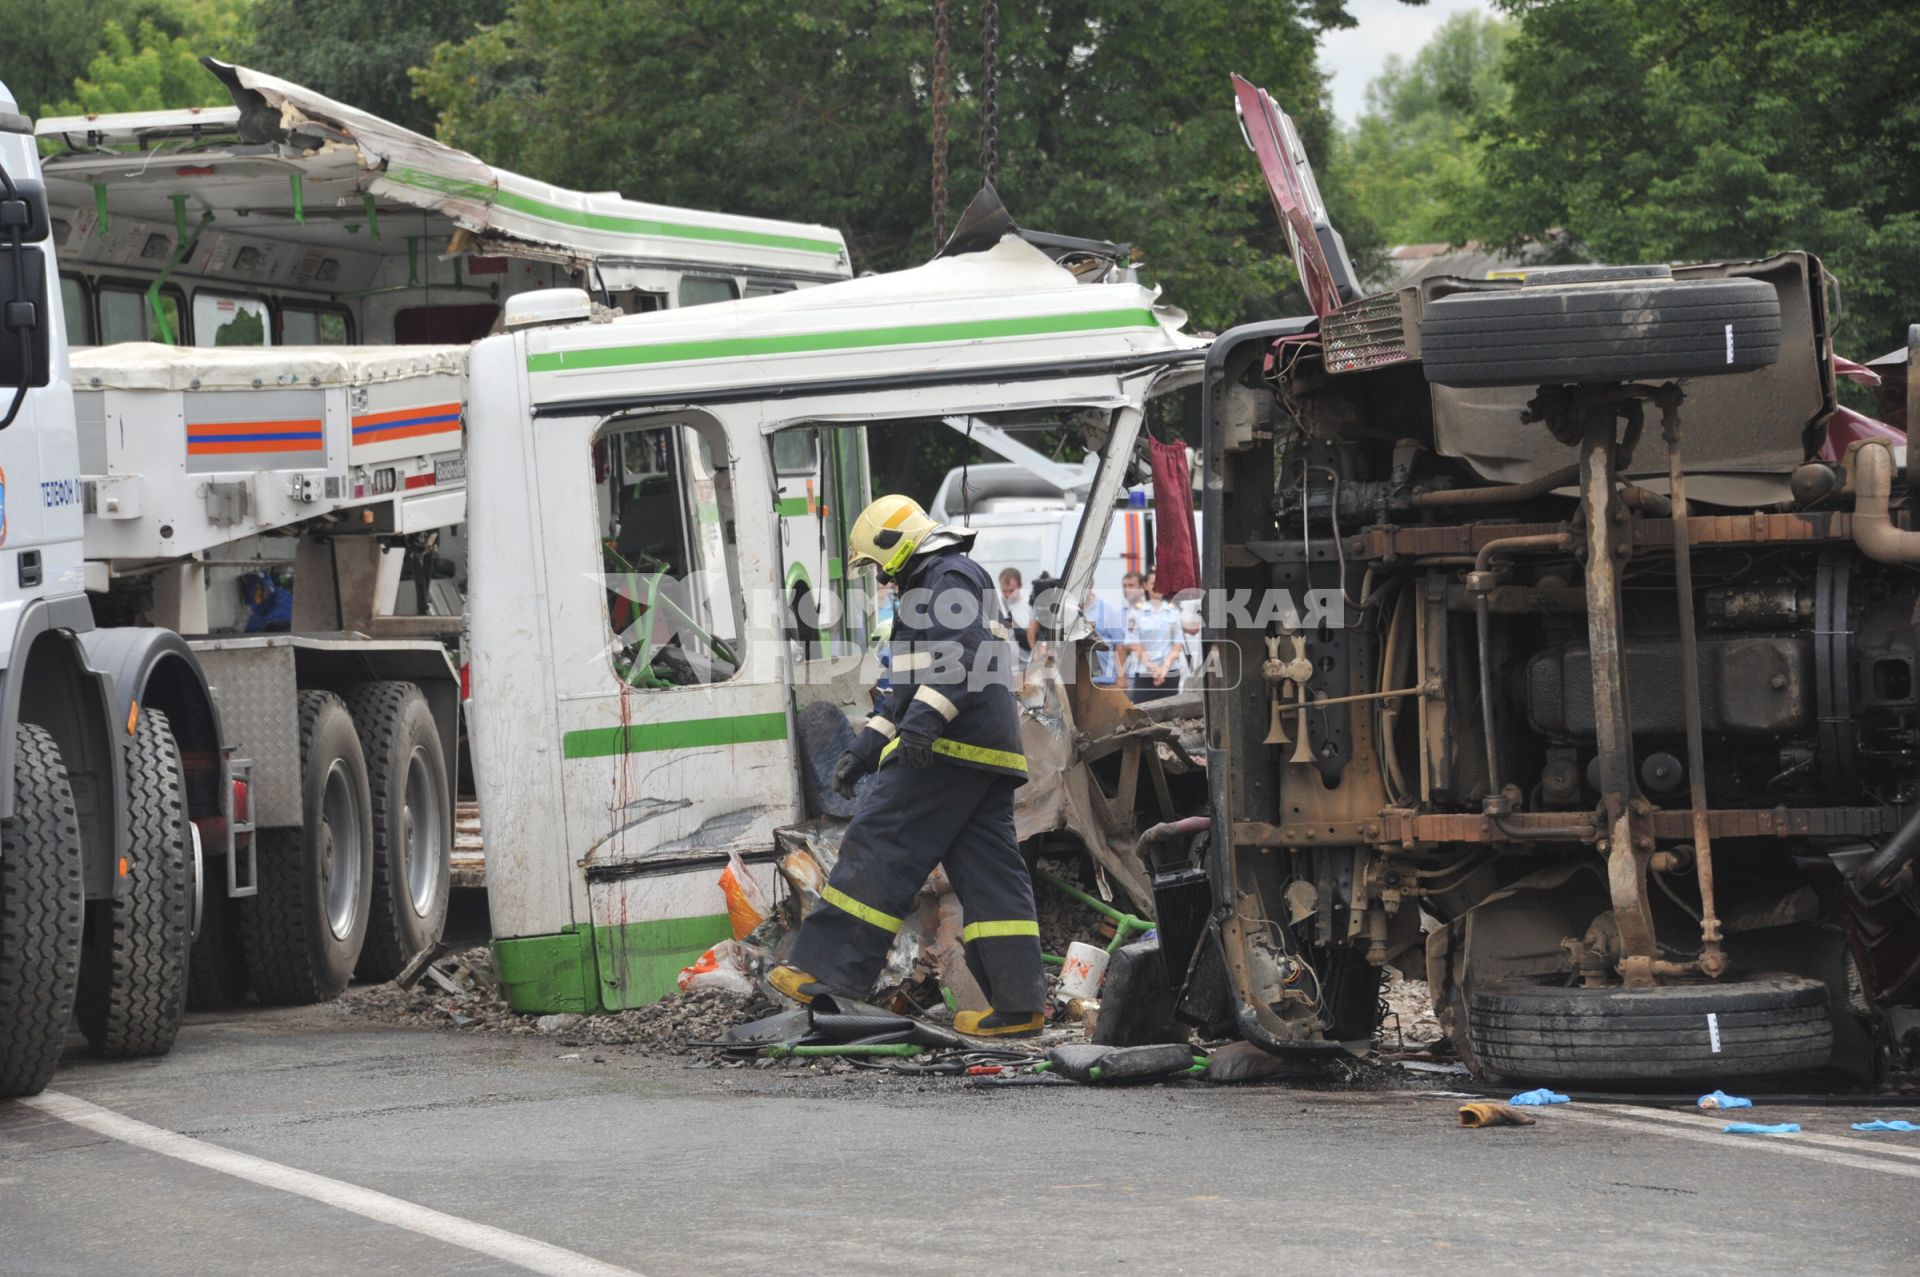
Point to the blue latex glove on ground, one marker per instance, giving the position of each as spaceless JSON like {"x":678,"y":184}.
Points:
{"x":1721,"y":1100}
{"x":1756,"y":1128}
{"x":1541,"y":1096}
{"x":1898,"y":1124}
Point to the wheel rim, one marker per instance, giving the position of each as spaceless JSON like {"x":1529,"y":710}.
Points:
{"x":199,"y":881}
{"x":341,"y":859}
{"x":420,"y":832}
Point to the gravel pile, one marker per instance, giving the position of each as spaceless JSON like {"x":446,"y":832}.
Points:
{"x":668,"y":1027}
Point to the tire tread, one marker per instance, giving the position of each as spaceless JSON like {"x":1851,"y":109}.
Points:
{"x":133,"y":981}
{"x":41,"y":909}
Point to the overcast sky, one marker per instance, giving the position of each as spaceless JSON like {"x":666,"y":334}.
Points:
{"x":1353,"y":57}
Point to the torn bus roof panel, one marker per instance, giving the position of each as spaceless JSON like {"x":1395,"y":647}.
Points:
{"x":278,"y":130}
{"x":1007,"y":307}
{"x":412,"y":169}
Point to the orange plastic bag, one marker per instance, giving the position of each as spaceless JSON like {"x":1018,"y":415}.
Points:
{"x":746,"y":903}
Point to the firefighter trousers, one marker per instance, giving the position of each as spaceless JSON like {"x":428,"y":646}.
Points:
{"x":908,"y":821}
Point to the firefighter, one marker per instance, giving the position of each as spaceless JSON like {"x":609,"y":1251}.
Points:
{"x":945,"y":744}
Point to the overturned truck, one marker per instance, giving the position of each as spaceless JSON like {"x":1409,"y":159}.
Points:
{"x":1611,"y":733}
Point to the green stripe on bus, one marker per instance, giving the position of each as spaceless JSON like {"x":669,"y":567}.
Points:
{"x":789,"y":507}
{"x":492,"y":195}
{"x":692,"y":733}
{"x":610,"y":968}
{"x":856,"y":339}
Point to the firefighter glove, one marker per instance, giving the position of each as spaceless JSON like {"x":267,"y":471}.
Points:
{"x":847,"y":773}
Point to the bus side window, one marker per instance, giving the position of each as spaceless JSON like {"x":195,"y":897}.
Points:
{"x":701,"y":290}
{"x":226,"y":319}
{"x":125,"y":315}
{"x":302,"y":325}
{"x":634,"y":301}
{"x":666,"y":555}
{"x":79,"y":310}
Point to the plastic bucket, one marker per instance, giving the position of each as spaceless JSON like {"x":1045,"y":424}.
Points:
{"x":1080,"y":975}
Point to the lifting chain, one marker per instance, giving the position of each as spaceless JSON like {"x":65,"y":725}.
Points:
{"x":989,"y":93}
{"x":942,"y":77}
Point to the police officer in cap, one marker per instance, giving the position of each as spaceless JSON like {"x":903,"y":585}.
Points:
{"x":946,"y":746}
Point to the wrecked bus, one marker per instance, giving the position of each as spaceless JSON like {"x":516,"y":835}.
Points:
{"x":643,"y":702}
{"x":1614,"y":743}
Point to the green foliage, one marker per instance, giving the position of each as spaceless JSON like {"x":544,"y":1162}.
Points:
{"x":1412,"y":156}
{"x":1116,"y":119}
{"x":360,"y":51}
{"x":154,"y":64}
{"x":48,"y":44}
{"x":1649,"y":130}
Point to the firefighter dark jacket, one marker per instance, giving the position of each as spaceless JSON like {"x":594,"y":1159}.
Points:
{"x":953,"y":670}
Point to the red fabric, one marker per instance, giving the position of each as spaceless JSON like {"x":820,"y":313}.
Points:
{"x":1176,"y":565}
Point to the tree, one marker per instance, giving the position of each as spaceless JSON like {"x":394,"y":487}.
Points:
{"x":1412,"y":156}
{"x":155,"y":63}
{"x":1116,"y":119}
{"x":49,"y":44}
{"x":1648,"y":130}
{"x":361,"y":51}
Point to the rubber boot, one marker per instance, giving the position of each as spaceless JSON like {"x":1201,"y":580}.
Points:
{"x":791,"y":982}
{"x":995,"y":1024}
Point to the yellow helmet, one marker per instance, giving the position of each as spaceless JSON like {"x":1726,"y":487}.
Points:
{"x":887,"y":533}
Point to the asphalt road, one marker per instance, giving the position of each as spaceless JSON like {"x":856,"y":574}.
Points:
{"x":487,"y":1154}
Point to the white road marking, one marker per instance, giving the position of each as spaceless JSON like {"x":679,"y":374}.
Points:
{"x":1785,"y":1144}
{"x":534,"y":1256}
{"x":1871,"y":1148}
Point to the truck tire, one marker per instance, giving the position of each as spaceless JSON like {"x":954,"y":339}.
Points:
{"x":1761,"y":1027}
{"x":1623,"y":330}
{"x":412,"y":825}
{"x":41,"y":911}
{"x":133,"y":968}
{"x":304,"y":930}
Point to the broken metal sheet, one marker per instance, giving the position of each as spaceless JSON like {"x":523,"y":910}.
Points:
{"x":1061,"y":794}
{"x":493,"y":203}
{"x":342,"y":155}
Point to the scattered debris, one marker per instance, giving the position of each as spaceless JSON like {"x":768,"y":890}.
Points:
{"x":417,"y":966}
{"x":1721,"y":1100}
{"x":1408,"y":1021}
{"x":1541,"y":1096}
{"x":1485,"y":1113}
{"x":666,"y":1027}
{"x":1120,"y":1064}
{"x":1898,"y":1124}
{"x":1758,"y":1128}
{"x":1245,"y":1062}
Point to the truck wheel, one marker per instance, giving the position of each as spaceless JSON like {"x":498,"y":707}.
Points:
{"x":133,"y":968}
{"x":1762,"y":1027}
{"x":304,"y":930}
{"x":1623,"y":330}
{"x":41,"y":905}
{"x":412,"y":825}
